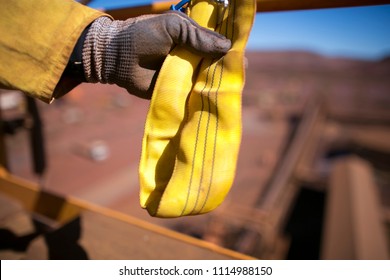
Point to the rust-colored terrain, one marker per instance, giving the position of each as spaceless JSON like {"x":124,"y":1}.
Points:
{"x":93,"y":144}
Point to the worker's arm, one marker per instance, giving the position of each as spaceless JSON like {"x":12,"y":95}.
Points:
{"x":46,"y":44}
{"x":37,"y":39}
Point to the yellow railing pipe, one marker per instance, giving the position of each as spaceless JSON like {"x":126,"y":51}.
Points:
{"x":262,"y":6}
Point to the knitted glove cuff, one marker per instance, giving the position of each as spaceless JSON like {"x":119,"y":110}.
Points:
{"x":103,"y":59}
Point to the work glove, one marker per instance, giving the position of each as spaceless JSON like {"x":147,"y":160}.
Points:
{"x":130,"y":53}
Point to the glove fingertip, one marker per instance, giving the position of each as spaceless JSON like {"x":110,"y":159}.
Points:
{"x":223,"y":45}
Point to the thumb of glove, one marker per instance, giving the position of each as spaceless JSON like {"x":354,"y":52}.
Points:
{"x":189,"y":34}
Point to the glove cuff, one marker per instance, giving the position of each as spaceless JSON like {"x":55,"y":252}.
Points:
{"x":99,"y":50}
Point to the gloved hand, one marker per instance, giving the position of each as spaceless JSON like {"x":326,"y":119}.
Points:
{"x":130,"y":53}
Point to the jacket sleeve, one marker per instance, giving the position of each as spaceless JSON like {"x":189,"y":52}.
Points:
{"x":37,"y":39}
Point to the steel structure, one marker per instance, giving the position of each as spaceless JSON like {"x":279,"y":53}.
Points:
{"x":262,"y":6}
{"x":61,"y":211}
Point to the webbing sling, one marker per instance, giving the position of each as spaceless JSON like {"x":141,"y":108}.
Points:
{"x":193,"y":127}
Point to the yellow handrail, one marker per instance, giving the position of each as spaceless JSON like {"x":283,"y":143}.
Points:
{"x":262,"y":6}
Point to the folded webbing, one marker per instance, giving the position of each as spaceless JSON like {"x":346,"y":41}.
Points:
{"x":193,"y":127}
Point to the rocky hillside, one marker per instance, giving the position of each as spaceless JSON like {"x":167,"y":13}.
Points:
{"x":287,"y":78}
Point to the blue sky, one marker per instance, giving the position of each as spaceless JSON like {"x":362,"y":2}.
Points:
{"x":362,"y":32}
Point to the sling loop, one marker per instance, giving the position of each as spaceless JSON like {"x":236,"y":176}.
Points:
{"x":193,"y":128}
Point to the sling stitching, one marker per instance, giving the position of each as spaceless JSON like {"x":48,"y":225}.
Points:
{"x":207,"y":127}
{"x":216,"y":113}
{"x":206,"y":135}
{"x":196,"y":142}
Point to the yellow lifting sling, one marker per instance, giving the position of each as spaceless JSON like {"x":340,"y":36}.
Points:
{"x":193,"y":128}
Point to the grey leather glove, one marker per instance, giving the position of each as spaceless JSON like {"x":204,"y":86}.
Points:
{"x":130,"y":53}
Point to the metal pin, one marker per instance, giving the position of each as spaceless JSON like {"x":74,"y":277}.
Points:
{"x":222,"y":11}
{"x":181,"y":4}
{"x":225,"y":3}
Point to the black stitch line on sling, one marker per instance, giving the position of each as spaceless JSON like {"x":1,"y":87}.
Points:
{"x":206,"y":135}
{"x":217,"y":115}
{"x":196,"y":141}
{"x":221,"y":62}
{"x":198,"y":130}
{"x":215,"y":139}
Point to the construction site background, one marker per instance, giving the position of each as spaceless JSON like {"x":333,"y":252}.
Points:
{"x":315,"y":147}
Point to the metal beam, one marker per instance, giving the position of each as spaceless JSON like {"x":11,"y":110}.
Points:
{"x":154,"y":8}
{"x":157,"y":239}
{"x":3,"y":149}
{"x":288,"y":5}
{"x":354,"y":224}
{"x":262,"y":6}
